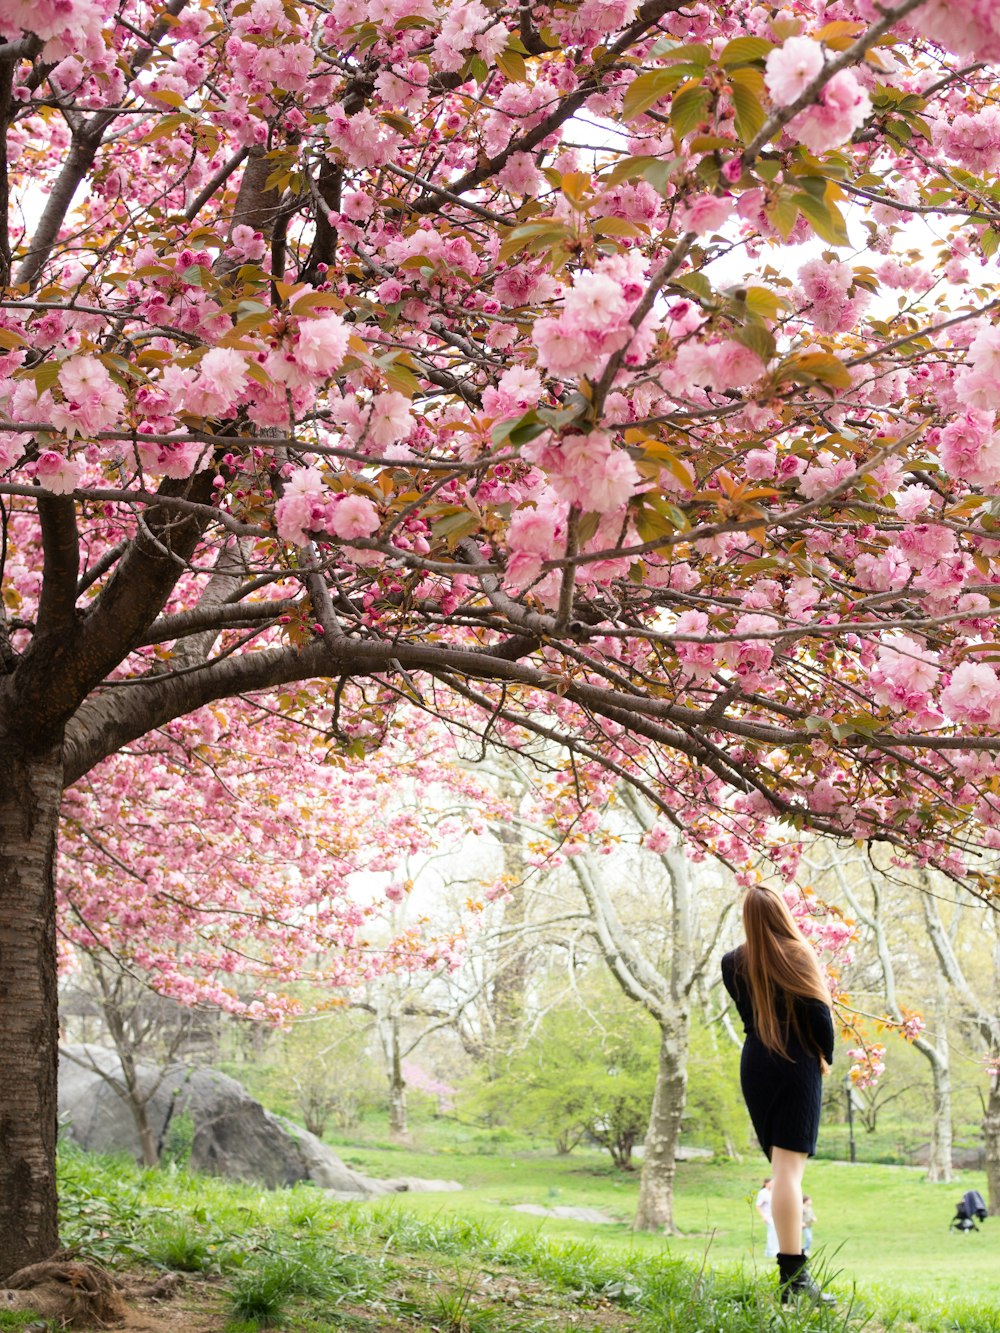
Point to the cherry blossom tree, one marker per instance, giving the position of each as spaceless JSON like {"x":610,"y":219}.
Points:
{"x":221,"y":865}
{"x":398,"y":344}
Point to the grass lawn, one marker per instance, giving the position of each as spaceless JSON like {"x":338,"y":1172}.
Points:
{"x":882,"y":1227}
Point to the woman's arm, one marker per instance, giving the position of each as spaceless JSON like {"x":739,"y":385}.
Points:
{"x":821,"y":1027}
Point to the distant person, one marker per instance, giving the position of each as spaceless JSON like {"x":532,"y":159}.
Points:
{"x":763,"y":1205}
{"x":776,"y":982}
{"x":808,"y":1222}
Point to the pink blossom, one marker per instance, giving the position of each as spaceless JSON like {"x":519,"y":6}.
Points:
{"x":57,"y":473}
{"x":246,"y":244}
{"x":751,"y":659}
{"x":533,"y":537}
{"x":698,"y":658}
{"x":825,"y":474}
{"x":390,"y":421}
{"x":586,"y":470}
{"x":880,"y":573}
{"x":972,"y":695}
{"x":969,"y":449}
{"x":791,"y":67}
{"x":222,"y":377}
{"x":593,"y":302}
{"x":717,"y":366}
{"x":905,"y":674}
{"x":93,"y":402}
{"x":969,"y":27}
{"x":843,"y":107}
{"x":827,"y":287}
{"x":705,"y":212}
{"x":761,"y":464}
{"x":322,"y":344}
{"x":302,"y":506}
{"x":978,"y":385}
{"x":517,"y":390}
{"x":352,"y":516}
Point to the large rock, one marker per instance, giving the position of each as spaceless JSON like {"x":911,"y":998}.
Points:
{"x":230,"y":1133}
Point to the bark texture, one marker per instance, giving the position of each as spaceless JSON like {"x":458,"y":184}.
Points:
{"x":655,"y":1209}
{"x":30,"y":791}
{"x":991,"y":1142}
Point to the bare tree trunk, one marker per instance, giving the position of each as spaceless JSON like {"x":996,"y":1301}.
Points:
{"x":991,"y":1142}
{"x":511,"y":973}
{"x":939,"y":1163}
{"x":30,"y":792}
{"x":655,"y":1210}
{"x":398,"y":1126}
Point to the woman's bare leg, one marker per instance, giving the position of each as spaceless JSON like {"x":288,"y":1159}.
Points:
{"x":787,"y":1168}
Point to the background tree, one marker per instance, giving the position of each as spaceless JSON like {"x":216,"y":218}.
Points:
{"x":586,"y":1071}
{"x":147,"y":1032}
{"x":935,"y":1050}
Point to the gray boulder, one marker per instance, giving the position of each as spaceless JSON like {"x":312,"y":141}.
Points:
{"x":231,"y":1134}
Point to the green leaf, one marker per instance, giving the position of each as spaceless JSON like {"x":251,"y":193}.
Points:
{"x":750,"y":114}
{"x":698,"y":284}
{"x":648,"y":88}
{"x":455,"y":525}
{"x":526,"y":432}
{"x":45,"y":376}
{"x":761,"y":301}
{"x":744,"y":51}
{"x":614,"y":227}
{"x":503,"y":430}
{"x":758,"y":338}
{"x":825,"y":218}
{"x":823,"y":367}
{"x":688,"y":108}
{"x":783,"y":212}
{"x":512,"y":66}
{"x":401,"y":379}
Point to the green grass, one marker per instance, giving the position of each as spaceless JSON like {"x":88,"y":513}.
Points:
{"x":467,"y":1263}
{"x":883,"y":1228}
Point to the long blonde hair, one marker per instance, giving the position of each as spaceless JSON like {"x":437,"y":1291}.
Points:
{"x":778,"y":959}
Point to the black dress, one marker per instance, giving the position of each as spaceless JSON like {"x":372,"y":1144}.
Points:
{"x":783,"y":1096}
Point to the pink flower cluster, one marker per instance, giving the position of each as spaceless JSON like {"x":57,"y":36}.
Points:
{"x":67,"y":27}
{"x":969,"y":27}
{"x":308,"y":508}
{"x":843,"y":107}
{"x":834,"y":303}
{"x":972,"y":140}
{"x":92,"y":401}
{"x":904,"y":675}
{"x":972,"y":695}
{"x":791,"y":67}
{"x":969,"y":449}
{"x":715,"y":366}
{"x":978,"y":385}
{"x":594,"y":321}
{"x":867,"y":1064}
{"x":586,"y":470}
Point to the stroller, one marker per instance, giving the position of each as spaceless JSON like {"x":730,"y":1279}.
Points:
{"x":970,"y":1206}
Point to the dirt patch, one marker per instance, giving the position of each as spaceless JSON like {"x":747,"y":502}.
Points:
{"x":89,"y":1299}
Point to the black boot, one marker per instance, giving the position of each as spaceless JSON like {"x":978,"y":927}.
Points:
{"x":796,"y":1281}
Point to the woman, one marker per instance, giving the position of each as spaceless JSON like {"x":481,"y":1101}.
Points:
{"x":776,"y":982}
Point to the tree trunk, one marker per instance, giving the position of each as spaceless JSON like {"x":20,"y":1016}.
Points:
{"x":398,"y":1126}
{"x":939,"y":1164}
{"x":991,"y":1142}
{"x":147,"y":1141}
{"x":510,"y":978}
{"x":655,"y":1211}
{"x":30,"y":793}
